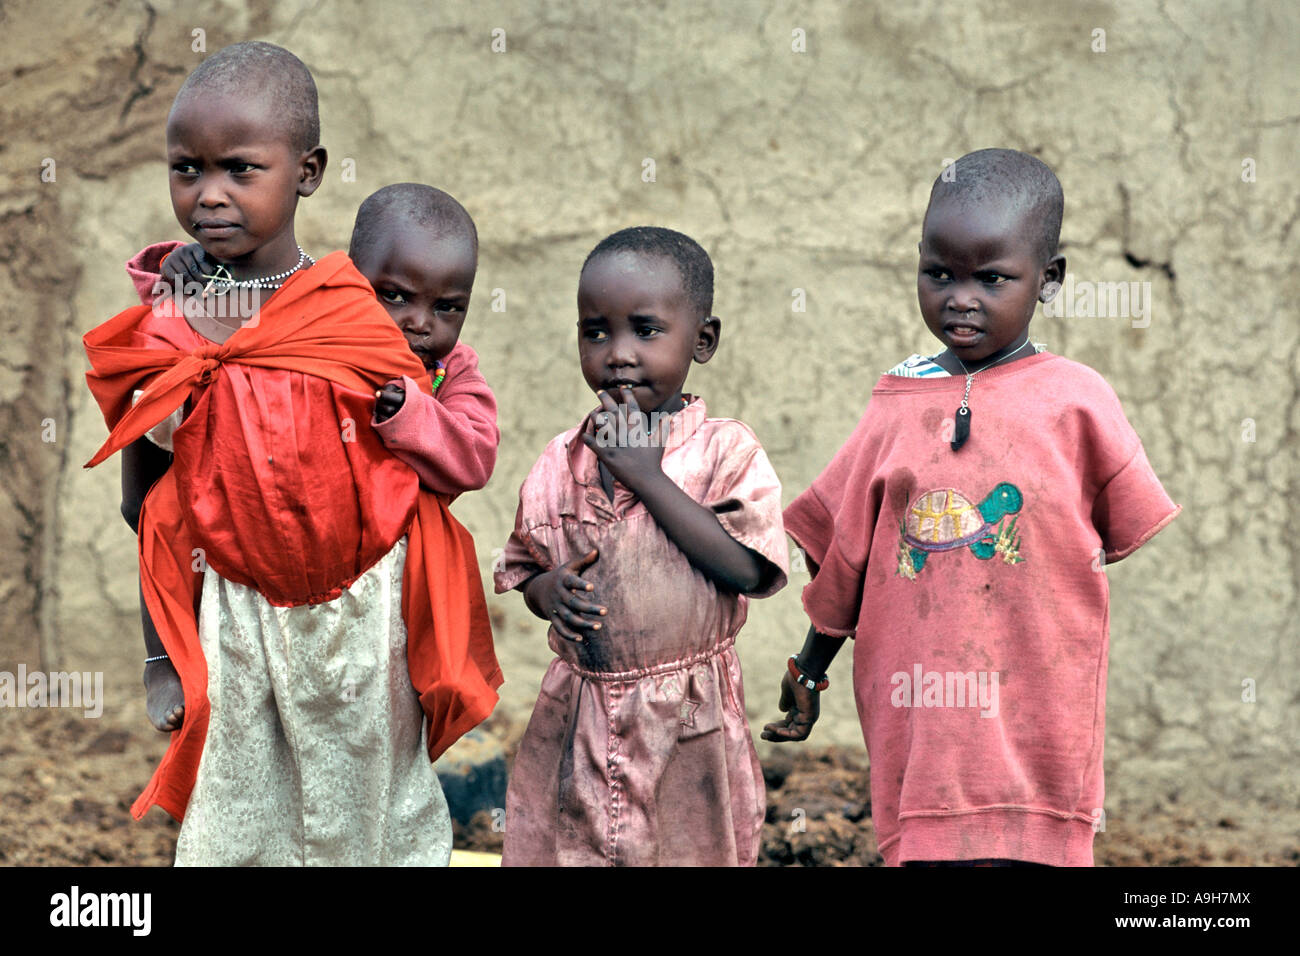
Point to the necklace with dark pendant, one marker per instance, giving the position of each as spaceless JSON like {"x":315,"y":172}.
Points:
{"x":961,"y":421}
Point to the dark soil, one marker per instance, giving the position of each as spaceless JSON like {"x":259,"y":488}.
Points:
{"x":68,"y":784}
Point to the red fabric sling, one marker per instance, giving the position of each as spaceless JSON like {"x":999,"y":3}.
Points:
{"x":323,"y":322}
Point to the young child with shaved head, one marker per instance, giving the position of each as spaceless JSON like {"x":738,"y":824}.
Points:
{"x":960,"y":536}
{"x":641,"y":537}
{"x":321,"y":630}
{"x":419,"y":249}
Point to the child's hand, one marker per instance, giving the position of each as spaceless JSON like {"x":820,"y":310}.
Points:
{"x":554,"y":595}
{"x":388,"y":400}
{"x":187,"y":265}
{"x":802,"y":707}
{"x":624,"y":443}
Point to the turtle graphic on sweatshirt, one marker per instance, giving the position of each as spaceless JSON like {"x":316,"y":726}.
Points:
{"x":945,"y":520}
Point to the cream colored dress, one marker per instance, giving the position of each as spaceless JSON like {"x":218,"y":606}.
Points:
{"x":315,"y":754}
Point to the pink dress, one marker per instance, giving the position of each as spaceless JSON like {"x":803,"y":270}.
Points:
{"x":638,"y":751}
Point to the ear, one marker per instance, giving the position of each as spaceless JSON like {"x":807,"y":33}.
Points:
{"x":707,"y":338}
{"x":1053,"y":274}
{"x":312,"y":170}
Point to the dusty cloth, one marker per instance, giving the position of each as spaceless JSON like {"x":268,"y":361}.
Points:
{"x":638,"y":751}
{"x":314,"y":753}
{"x":277,"y":427}
{"x":974,"y":584}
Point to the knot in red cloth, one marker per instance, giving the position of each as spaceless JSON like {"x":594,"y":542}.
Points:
{"x":210,"y":356}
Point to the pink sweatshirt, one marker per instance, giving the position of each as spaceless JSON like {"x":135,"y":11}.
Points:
{"x":450,"y":438}
{"x":974,"y":583}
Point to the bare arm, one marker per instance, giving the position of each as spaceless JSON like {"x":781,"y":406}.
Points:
{"x":143,"y":463}
{"x":818,"y":651}
{"x":696,"y":530}
{"x":802,"y":706}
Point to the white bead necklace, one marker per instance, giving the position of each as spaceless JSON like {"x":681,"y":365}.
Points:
{"x":222,"y":281}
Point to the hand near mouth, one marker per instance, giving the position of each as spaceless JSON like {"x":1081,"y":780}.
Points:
{"x":624,"y":442}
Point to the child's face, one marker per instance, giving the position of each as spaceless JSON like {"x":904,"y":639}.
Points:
{"x":636,"y":327}
{"x":424,"y":281}
{"x":235,"y":179}
{"x":980,"y":277}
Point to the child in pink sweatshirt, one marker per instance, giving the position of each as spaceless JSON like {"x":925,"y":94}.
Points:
{"x":961,"y":534}
{"x":418,"y":247}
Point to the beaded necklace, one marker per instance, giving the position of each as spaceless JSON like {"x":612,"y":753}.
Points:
{"x":439,"y":375}
{"x":224,"y":281}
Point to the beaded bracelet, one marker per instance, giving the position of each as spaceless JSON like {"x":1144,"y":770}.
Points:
{"x":160,"y":657}
{"x":797,"y":673}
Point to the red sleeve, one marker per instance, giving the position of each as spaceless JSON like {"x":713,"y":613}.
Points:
{"x":145,"y":268}
{"x":1130,"y":505}
{"x":1131,"y":508}
{"x":836,"y":546}
{"x":449,"y":439}
{"x":834,"y":521}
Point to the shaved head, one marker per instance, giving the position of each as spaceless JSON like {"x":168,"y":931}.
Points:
{"x":430,"y":209}
{"x":1013,"y":179}
{"x":692,"y":262}
{"x":262,"y":71}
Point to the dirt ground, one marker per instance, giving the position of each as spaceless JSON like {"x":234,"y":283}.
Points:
{"x":68,"y":784}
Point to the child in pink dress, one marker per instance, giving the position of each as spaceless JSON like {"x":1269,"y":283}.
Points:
{"x":640,"y":539}
{"x":961,"y":534}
